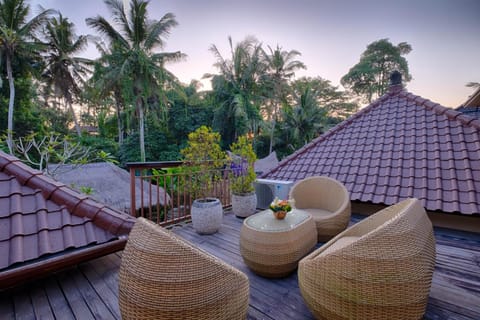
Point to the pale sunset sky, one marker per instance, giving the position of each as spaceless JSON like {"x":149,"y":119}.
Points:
{"x":330,"y":35}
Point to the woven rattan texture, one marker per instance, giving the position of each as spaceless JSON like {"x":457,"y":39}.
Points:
{"x":385,"y":274}
{"x":327,"y":200}
{"x":164,"y":277}
{"x":276,"y":254}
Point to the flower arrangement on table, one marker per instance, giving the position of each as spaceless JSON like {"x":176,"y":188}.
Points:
{"x":281,"y":207}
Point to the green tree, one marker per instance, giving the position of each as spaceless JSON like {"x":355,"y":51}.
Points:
{"x":281,"y":68}
{"x":107,"y":88}
{"x":65,"y":73}
{"x":135,"y":57}
{"x":203,"y":158}
{"x":237,"y":90}
{"x":369,"y":78}
{"x":337,"y":104}
{"x":18,"y":41}
{"x":303,"y":121}
{"x":189,"y":109}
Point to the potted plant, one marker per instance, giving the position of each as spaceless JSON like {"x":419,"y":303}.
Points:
{"x":280,"y":208}
{"x":242,"y":176}
{"x":204,"y":158}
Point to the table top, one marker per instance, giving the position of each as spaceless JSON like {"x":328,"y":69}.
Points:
{"x":265,"y":221}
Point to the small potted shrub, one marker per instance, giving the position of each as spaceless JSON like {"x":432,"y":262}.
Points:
{"x":204,"y":160}
{"x":242,"y":177}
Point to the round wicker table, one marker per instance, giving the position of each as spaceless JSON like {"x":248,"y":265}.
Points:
{"x":272,"y":247}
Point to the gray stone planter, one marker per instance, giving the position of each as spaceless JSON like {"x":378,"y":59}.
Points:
{"x":244,"y":205}
{"x":207,"y":215}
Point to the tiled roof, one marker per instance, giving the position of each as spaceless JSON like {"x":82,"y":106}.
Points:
{"x":42,"y":218}
{"x":473,"y":112}
{"x":400,"y":146}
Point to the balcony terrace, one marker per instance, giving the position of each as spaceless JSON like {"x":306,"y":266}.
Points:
{"x":89,"y":290}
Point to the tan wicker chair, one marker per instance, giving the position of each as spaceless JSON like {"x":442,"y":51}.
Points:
{"x":327,"y":200}
{"x":163,"y":277}
{"x":380,"y":268}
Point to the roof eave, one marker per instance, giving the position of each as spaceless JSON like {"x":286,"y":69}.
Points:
{"x":473,"y":100}
{"x":35,"y":270}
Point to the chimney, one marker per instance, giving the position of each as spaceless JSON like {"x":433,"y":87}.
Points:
{"x":395,"y":82}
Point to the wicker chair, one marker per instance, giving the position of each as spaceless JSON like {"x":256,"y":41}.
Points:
{"x":327,"y":200}
{"x":380,"y":268}
{"x":163,"y":277}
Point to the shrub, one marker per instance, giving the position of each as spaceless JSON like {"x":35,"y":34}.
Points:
{"x":242,"y":168}
{"x":204,"y":160}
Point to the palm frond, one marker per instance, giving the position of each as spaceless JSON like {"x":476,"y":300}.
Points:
{"x":158,"y":30}
{"x":101,"y":25}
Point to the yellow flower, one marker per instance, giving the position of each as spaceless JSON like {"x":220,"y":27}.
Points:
{"x":281,"y":205}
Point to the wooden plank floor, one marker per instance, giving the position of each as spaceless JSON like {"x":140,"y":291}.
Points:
{"x":89,"y":291}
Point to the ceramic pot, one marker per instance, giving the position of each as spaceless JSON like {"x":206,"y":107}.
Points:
{"x":280,"y":214}
{"x":207,"y":215}
{"x":244,"y":205}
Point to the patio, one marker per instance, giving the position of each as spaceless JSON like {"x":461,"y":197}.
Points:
{"x":89,"y":291}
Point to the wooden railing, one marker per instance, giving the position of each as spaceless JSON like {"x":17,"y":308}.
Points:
{"x":163,"y":192}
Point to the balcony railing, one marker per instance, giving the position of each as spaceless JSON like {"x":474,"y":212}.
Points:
{"x":164,"y":191}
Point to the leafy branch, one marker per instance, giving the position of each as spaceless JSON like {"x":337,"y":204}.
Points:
{"x":42,"y":153}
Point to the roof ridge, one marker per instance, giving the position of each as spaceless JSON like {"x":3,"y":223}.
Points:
{"x":332,"y":131}
{"x":450,"y":113}
{"x":60,"y":193}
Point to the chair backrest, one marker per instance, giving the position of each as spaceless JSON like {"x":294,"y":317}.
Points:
{"x":404,"y":226}
{"x":164,"y":277}
{"x":407,"y":210}
{"x":319,"y":192}
{"x":380,"y":268}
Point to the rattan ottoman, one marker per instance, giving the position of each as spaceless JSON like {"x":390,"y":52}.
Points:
{"x":272,"y":247}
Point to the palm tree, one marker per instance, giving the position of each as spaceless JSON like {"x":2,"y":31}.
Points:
{"x":108,"y":86}
{"x":305,"y":120}
{"x":281,"y":68}
{"x":18,"y":41}
{"x":134,"y":44}
{"x":65,"y":72}
{"x":237,"y":89}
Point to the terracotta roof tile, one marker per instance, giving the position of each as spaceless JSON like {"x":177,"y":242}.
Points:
{"x":40,"y":217}
{"x":402,"y":145}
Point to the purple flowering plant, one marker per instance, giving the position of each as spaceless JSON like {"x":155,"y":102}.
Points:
{"x":242,"y":172}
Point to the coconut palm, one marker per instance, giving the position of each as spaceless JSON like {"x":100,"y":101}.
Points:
{"x":64,"y":71}
{"x":237,"y":89}
{"x":134,"y":43}
{"x":18,"y":41}
{"x":281,"y":68}
{"x":305,"y":120}
{"x":108,"y":87}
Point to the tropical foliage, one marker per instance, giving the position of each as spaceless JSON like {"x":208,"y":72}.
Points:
{"x":237,"y":90}
{"x":134,"y":60}
{"x":18,"y":42}
{"x":64,"y":72}
{"x":128,"y":104}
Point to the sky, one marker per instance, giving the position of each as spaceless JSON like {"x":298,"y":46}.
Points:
{"x":330,"y":35}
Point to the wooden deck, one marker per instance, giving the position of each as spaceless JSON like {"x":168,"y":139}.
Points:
{"x":89,"y":291}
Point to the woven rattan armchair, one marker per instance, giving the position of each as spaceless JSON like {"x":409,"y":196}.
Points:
{"x":380,"y":268}
{"x":327,"y":200}
{"x":163,"y":277}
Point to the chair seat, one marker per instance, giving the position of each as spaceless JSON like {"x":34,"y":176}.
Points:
{"x":327,"y":200}
{"x":318,"y":214}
